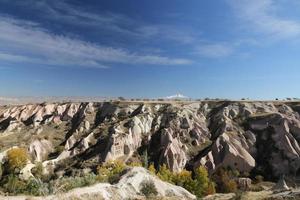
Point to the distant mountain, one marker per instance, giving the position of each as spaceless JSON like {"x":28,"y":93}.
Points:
{"x":177,"y":96}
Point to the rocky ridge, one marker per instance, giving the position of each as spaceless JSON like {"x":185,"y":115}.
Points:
{"x":253,"y":137}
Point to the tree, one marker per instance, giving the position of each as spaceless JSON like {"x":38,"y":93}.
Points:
{"x":202,"y":181}
{"x":17,"y":159}
{"x":224,"y":179}
{"x":200,"y":185}
{"x":211,"y":189}
{"x":121,"y":98}
{"x":110,"y":171}
{"x":185,"y":180}
{"x":1,"y":170}
{"x":145,"y":159}
{"x":165,"y":174}
{"x":152,"y":169}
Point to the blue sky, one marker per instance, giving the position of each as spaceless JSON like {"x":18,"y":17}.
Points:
{"x":142,"y":48}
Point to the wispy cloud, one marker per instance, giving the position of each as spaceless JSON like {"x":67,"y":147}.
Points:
{"x":117,"y":23}
{"x":168,"y":32}
{"x":262,"y":16}
{"x":215,"y":50}
{"x":23,"y":41}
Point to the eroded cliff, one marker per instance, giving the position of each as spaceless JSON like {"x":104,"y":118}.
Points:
{"x":254,"y":137}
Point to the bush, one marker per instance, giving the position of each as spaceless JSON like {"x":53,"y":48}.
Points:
{"x":110,"y":171}
{"x":224,"y":179}
{"x":135,"y":164}
{"x":211,"y":189}
{"x":185,"y":180}
{"x":152,"y":169}
{"x":37,"y":171}
{"x":204,"y":185}
{"x":165,"y":174}
{"x":14,"y":185}
{"x":59,"y":149}
{"x":148,"y":188}
{"x":16,"y":159}
{"x":145,"y":159}
{"x":36,"y":187}
{"x":1,"y":170}
{"x":256,"y":188}
{"x":201,"y":184}
{"x":230,"y":186}
{"x":67,"y":183}
{"x":259,"y":179}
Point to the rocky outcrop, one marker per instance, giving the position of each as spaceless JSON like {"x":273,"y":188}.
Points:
{"x":129,"y":187}
{"x":244,"y":183}
{"x":228,"y":151}
{"x":40,"y":149}
{"x":261,"y":137}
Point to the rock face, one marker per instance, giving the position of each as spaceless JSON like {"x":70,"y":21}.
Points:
{"x":129,"y":187}
{"x":40,"y":149}
{"x":261,"y":137}
{"x":243,"y":183}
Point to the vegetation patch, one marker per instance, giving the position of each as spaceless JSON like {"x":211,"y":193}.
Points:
{"x":148,"y":188}
{"x":198,"y":184}
{"x":111,"y":171}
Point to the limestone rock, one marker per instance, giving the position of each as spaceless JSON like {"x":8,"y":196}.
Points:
{"x":210,"y":133}
{"x":39,"y":149}
{"x":243,"y":183}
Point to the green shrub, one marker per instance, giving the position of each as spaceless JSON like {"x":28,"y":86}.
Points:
{"x":259,"y":179}
{"x":230,"y":186}
{"x":152,"y":169}
{"x":14,"y":185}
{"x":17,"y":159}
{"x":256,"y":188}
{"x":204,"y":185}
{"x":200,"y":185}
{"x":68,"y":183}
{"x":145,"y":159}
{"x":36,"y":187}
{"x":165,"y":174}
{"x":148,"y":188}
{"x":224,"y":180}
{"x":1,"y":170}
{"x":111,"y":171}
{"x":211,"y":189}
{"x":59,"y":149}
{"x":37,"y":171}
{"x":135,"y":164}
{"x":185,"y":180}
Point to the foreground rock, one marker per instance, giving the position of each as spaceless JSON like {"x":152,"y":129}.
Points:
{"x":129,"y":187}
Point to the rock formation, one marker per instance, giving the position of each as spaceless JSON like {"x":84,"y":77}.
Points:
{"x":129,"y":187}
{"x":260,"y":137}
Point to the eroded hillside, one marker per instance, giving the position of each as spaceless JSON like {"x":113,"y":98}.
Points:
{"x":253,"y":137}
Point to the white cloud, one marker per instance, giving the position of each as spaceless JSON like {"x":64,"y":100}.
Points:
{"x":27,"y":42}
{"x":215,"y":50}
{"x":182,"y":35}
{"x":262,"y":16}
{"x":66,"y":13}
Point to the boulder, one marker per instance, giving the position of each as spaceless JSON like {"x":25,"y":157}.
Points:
{"x":243,"y":183}
{"x":39,"y":149}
